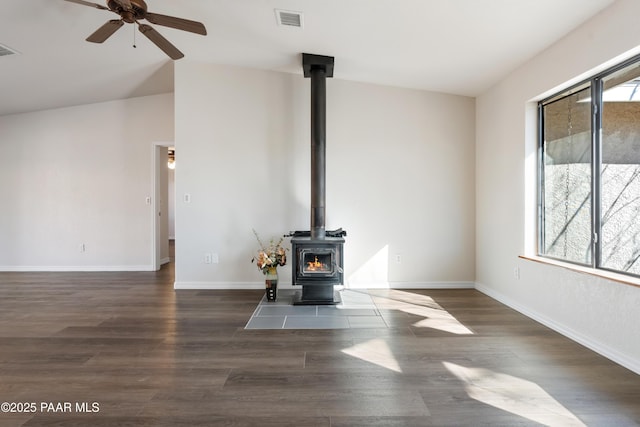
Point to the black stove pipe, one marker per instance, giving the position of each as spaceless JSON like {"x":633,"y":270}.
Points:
{"x":318,"y":68}
{"x":318,"y":152}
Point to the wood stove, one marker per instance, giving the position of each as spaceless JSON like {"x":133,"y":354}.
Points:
{"x":317,"y":267}
{"x":317,"y":254}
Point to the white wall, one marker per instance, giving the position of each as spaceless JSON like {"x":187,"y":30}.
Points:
{"x":600,"y":313}
{"x":400,"y":176}
{"x":80,"y":175}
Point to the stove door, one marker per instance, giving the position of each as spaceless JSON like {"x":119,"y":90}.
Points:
{"x":317,"y":262}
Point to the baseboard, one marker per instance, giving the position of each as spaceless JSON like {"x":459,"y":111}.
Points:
{"x":218,"y":285}
{"x":72,"y":268}
{"x":164,"y":261}
{"x":412,"y":285}
{"x":602,"y":349}
{"x":287,"y":285}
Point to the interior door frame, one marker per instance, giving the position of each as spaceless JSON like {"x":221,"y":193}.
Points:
{"x":158,"y":161}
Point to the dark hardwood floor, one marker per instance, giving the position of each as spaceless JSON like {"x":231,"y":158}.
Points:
{"x":151,"y":356}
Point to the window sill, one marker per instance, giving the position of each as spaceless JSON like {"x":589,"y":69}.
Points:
{"x":609,"y":275}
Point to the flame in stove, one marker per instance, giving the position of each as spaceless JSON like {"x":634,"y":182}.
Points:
{"x":316,"y":265}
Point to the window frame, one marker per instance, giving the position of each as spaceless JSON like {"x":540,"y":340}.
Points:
{"x":596,"y":84}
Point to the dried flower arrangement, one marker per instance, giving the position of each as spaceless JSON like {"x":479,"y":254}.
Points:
{"x":271,"y":256}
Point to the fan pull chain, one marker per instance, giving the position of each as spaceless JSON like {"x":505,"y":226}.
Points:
{"x":134,"y":36}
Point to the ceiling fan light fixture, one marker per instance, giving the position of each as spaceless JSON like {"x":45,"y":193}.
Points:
{"x":171,"y":162}
{"x":131,"y":12}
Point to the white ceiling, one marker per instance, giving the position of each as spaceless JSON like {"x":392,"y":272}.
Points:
{"x":453,"y":46}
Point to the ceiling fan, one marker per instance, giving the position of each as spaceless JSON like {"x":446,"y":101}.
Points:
{"x":131,"y":11}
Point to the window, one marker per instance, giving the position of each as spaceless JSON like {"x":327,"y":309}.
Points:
{"x":589,"y":187}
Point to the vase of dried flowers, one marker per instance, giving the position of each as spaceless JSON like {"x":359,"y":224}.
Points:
{"x":268,"y":259}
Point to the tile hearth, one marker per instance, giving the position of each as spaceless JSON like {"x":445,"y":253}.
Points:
{"x":357,"y":310}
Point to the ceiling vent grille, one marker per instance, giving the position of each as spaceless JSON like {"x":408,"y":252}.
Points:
{"x":6,"y":51}
{"x":289,"y":18}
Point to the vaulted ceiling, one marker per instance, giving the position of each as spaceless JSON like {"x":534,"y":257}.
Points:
{"x":453,"y":46}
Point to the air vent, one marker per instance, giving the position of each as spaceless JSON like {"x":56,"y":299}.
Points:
{"x":6,"y":51}
{"x":289,"y":18}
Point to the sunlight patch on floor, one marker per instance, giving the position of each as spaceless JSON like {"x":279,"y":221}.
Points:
{"x":513,"y":394}
{"x":450,"y":325}
{"x":435,"y":317}
{"x":375,"y":351}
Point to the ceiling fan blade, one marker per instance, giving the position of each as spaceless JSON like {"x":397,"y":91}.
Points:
{"x":104,"y":32}
{"x":164,"y":44}
{"x":178,"y":23}
{"x":87,"y":3}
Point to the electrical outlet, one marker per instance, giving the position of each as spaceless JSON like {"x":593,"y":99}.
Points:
{"x":214,"y":258}
{"x":82,"y":247}
{"x":398,"y":258}
{"x":187,"y":198}
{"x":516,"y":273}
{"x":207,"y":258}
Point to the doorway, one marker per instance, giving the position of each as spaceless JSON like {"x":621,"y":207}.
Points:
{"x":163,"y":204}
